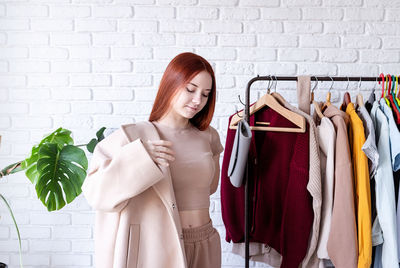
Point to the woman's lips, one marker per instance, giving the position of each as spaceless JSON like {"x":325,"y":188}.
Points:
{"x":193,"y":109}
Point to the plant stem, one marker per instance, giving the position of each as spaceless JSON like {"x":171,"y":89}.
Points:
{"x":16,"y":227}
{"x":80,"y":145}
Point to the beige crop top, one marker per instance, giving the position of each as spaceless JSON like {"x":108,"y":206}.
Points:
{"x":193,"y":169}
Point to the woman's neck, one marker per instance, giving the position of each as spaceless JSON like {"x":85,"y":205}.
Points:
{"x":174,"y":122}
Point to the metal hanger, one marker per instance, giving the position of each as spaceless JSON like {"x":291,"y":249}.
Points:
{"x":276,"y":95}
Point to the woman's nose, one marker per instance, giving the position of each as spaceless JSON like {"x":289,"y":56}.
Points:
{"x":196,"y":99}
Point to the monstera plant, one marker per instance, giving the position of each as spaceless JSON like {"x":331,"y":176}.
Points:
{"x":56,"y":167}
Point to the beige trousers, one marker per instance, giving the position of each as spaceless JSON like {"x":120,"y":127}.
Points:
{"x":202,"y":246}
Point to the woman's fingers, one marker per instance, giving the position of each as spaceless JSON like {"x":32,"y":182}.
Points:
{"x":161,"y":152}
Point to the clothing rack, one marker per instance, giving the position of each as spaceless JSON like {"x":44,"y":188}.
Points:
{"x":247,"y":118}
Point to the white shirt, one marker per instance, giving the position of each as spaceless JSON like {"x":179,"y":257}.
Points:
{"x":327,"y":140}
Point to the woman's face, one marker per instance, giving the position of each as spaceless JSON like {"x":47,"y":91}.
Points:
{"x":192,"y":97}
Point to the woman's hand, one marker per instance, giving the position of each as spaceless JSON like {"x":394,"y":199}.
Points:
{"x":160,"y":151}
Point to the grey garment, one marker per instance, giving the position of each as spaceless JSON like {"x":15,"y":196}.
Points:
{"x":378,"y":257}
{"x":239,"y":155}
{"x":377,"y":234}
{"x":369,"y":147}
{"x":370,"y":102}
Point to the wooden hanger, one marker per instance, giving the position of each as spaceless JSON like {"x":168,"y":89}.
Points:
{"x":328,"y":98}
{"x":317,"y":109}
{"x":269,"y":101}
{"x":359,"y":98}
{"x":346,"y":98}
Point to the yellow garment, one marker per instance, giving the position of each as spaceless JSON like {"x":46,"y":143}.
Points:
{"x":362,"y":186}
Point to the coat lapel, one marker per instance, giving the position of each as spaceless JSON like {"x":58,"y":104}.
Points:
{"x":145,"y":130}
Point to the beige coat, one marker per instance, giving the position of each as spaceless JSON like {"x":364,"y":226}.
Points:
{"x":342,"y":242}
{"x":137,"y":220}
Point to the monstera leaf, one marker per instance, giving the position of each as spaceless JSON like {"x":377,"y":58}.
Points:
{"x":60,"y":170}
{"x":60,"y":137}
{"x":57,"y":169}
{"x":100,"y":135}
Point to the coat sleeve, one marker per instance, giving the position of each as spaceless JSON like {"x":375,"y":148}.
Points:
{"x":119,"y":170}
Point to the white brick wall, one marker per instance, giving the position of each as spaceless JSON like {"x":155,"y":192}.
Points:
{"x":84,"y":64}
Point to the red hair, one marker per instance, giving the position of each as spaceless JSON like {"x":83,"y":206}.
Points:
{"x":180,"y":71}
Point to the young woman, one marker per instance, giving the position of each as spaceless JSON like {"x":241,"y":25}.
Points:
{"x":151,"y":181}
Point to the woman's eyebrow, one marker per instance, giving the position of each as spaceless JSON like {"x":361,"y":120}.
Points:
{"x":198,"y":86}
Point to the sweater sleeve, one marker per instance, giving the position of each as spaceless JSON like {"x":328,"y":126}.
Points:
{"x":298,"y":212}
{"x":119,"y":170}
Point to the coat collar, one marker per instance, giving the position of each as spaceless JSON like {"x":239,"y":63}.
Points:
{"x":145,"y":130}
{"x":332,"y":111}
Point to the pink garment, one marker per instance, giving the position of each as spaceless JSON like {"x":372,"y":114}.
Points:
{"x":193,"y":169}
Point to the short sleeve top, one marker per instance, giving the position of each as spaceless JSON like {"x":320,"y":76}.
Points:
{"x":193,"y":169}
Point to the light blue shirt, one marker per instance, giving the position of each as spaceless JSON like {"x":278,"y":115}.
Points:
{"x":384,"y":191}
{"x":394,"y":135}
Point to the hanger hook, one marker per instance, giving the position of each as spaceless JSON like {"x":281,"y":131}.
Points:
{"x":359,"y":85}
{"x":374,"y":88}
{"x":237,"y":112}
{"x":348,"y":83}
{"x":241,"y":100}
{"x":331,"y":84}
{"x":276,"y":83}
{"x":382,"y":77}
{"x":316,"y":83}
{"x":269,"y":84}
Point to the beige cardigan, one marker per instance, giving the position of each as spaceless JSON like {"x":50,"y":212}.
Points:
{"x":342,"y":242}
{"x":137,"y":220}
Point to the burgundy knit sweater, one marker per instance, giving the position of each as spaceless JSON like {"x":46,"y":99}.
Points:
{"x":281,"y":213}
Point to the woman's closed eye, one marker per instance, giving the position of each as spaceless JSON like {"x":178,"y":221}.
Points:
{"x":191,"y":91}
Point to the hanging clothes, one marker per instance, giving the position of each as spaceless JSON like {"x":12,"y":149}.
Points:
{"x":362,"y":186}
{"x":394,"y":137}
{"x":370,"y":101}
{"x":258,"y":252}
{"x":342,"y":242}
{"x":327,"y":143}
{"x":369,"y":146}
{"x":281,"y":206}
{"x":371,"y":151}
{"x":386,"y":253}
